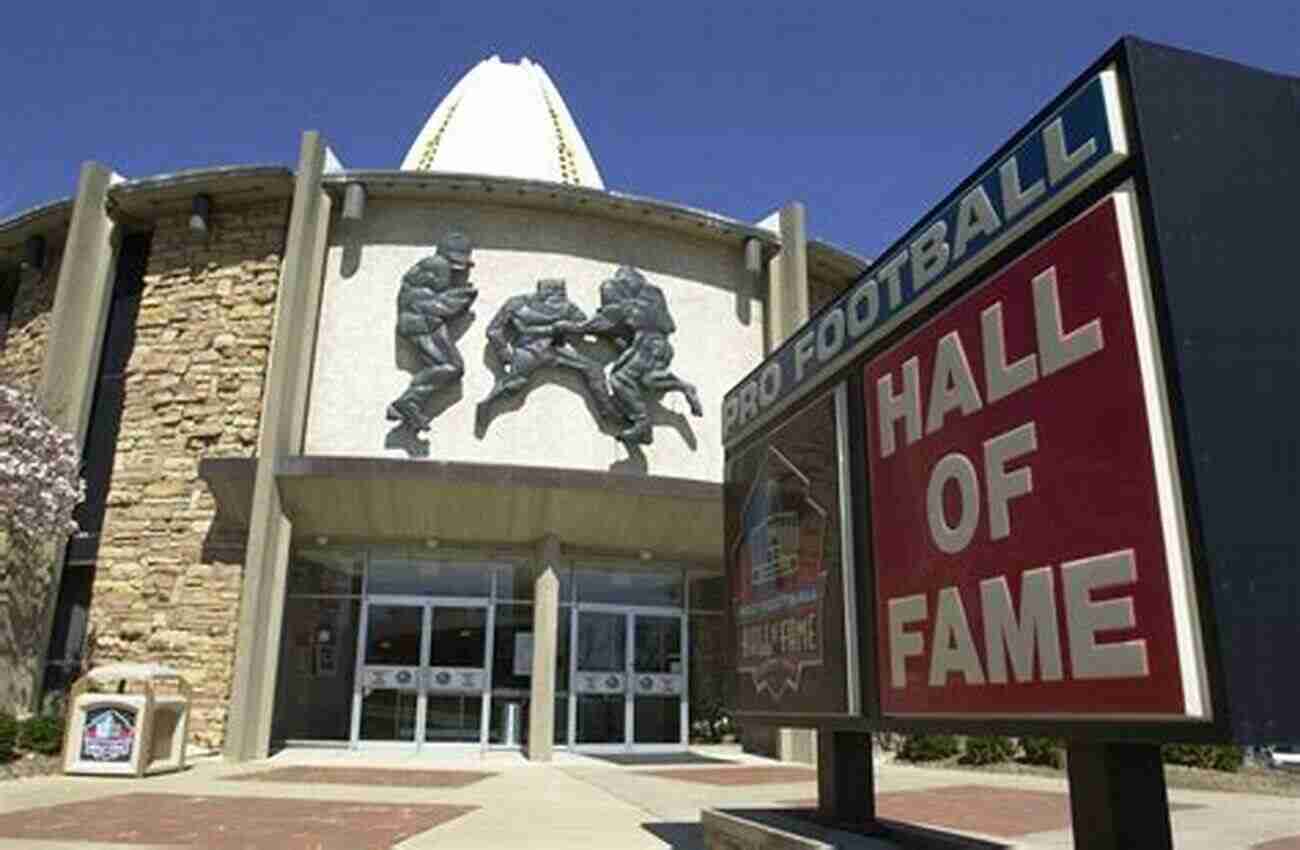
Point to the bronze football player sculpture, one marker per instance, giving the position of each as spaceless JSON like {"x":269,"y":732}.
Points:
{"x":525,"y":337}
{"x":634,"y":315}
{"x":434,"y":291}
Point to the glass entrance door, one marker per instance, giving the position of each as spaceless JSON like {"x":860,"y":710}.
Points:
{"x":658,"y":679}
{"x":628,"y":678}
{"x":423,"y":672}
{"x":456,"y":697}
{"x":393,"y":653}
{"x":601,"y":677}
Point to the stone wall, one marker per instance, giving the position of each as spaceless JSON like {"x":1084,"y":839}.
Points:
{"x":167,"y":584}
{"x":24,"y":581}
{"x":29,"y":326}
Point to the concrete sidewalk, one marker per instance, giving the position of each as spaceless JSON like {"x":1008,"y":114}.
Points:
{"x":343,"y":800}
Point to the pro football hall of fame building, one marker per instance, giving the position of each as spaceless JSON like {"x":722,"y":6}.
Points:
{"x":420,"y":457}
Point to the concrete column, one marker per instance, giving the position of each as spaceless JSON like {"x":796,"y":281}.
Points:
{"x":284,"y":410}
{"x":76,"y":341}
{"x":546,"y":620}
{"x":787,"y":294}
{"x":787,"y":299}
{"x":81,"y":301}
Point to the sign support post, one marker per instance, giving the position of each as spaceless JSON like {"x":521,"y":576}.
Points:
{"x":1118,"y":797}
{"x":846,"y":781}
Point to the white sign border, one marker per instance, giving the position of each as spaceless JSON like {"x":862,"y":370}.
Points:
{"x":1197,"y":706}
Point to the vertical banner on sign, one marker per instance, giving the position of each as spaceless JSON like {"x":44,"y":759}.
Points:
{"x":786,"y":567}
{"x":1029,"y":541}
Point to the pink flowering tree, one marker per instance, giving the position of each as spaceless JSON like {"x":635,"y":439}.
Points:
{"x":40,"y":473}
{"x":40,"y":485}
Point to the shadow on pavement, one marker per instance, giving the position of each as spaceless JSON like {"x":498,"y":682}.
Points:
{"x":678,"y":836}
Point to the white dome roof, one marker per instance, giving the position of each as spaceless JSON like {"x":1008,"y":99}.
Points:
{"x":506,"y":120}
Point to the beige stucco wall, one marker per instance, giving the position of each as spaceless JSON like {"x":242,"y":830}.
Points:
{"x":359,"y":359}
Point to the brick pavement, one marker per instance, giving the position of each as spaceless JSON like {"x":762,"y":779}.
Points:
{"x":229,"y":823}
{"x":984,"y":809}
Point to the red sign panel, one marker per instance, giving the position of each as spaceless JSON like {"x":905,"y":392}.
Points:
{"x":1029,"y":547}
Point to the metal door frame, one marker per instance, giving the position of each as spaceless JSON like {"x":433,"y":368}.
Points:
{"x":427,"y":604}
{"x":630,"y":613}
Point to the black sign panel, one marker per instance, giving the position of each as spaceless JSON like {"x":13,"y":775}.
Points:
{"x":786,"y":567}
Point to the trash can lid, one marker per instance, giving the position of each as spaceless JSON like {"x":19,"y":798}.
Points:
{"x":130,"y":670}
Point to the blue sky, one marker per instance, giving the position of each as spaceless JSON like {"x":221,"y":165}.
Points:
{"x":867,"y":112}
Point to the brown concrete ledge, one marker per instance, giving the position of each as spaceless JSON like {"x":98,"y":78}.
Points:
{"x":391,"y":498}
{"x":793,"y":829}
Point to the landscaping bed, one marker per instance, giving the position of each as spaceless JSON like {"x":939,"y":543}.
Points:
{"x":1247,"y":780}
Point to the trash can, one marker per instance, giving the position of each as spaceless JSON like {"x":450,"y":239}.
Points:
{"x":511,"y":731}
{"x":127,"y":720}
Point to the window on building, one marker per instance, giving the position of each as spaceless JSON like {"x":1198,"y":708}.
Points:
{"x":322,"y":612}
{"x":610,"y":586}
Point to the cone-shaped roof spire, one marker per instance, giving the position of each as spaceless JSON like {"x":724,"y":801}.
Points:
{"x":506,"y":120}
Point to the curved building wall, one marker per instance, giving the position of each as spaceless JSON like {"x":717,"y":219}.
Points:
{"x":168,"y":577}
{"x":22,"y":352}
{"x":361,"y":364}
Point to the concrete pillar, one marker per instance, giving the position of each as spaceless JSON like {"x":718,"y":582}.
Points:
{"x":787,"y":294}
{"x":546,"y":620}
{"x":81,"y":301}
{"x":261,"y":606}
{"x":787,"y":299}
{"x":76,"y":341}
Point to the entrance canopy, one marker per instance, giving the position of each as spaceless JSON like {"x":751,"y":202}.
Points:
{"x":385,"y":498}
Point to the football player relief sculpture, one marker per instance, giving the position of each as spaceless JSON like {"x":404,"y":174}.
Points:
{"x":535,"y":331}
{"x":434,"y":291}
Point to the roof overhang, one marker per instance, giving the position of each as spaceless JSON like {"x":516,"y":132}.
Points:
{"x":49,"y":220}
{"x":486,"y":188}
{"x":172,"y":194}
{"x":367,"y":498}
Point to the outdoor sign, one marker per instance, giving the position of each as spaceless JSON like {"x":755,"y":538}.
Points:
{"x":787,"y":568}
{"x":1028,"y":538}
{"x":109,"y":734}
{"x":1069,"y":150}
{"x":1070,"y":433}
